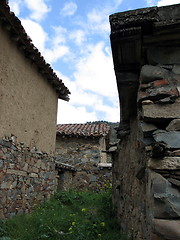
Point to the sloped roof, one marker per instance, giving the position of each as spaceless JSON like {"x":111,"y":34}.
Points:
{"x":83,"y":130}
{"x":24,"y":43}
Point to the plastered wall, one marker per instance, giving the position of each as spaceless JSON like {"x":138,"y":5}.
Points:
{"x":28,"y":103}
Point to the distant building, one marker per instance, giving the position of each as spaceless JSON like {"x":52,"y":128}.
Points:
{"x":84,"y":147}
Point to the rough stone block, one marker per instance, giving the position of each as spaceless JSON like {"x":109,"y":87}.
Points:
{"x":147,"y":127}
{"x":168,"y":229}
{"x":16,"y":172}
{"x":156,"y":111}
{"x":33,"y":175}
{"x":174,"y":125}
{"x":159,"y":83}
{"x":171,"y":139}
{"x":166,"y":198}
{"x":176,"y":69}
{"x":151,"y":73}
{"x":170,"y":163}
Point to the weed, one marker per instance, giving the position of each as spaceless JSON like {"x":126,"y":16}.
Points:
{"x":66,"y":216}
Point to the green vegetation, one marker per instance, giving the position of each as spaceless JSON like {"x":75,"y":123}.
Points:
{"x":66,"y":216}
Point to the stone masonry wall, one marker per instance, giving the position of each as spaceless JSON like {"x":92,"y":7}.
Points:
{"x":84,"y":154}
{"x":27,"y":177}
{"x":146,"y":169}
{"x":159,"y":105}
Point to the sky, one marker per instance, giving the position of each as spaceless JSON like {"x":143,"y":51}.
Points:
{"x":73,"y":36}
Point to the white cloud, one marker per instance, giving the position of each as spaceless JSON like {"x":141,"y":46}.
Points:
{"x":112,"y":114}
{"x":79,"y":36}
{"x":95,"y":72}
{"x":69,"y":9}
{"x":38,"y":8}
{"x":68,"y":113}
{"x":60,"y":35}
{"x":36,"y":33}
{"x":98,"y":21}
{"x":39,"y":37}
{"x":167,"y":2}
{"x":15,"y":6}
{"x":98,"y":18}
{"x":52,"y":55}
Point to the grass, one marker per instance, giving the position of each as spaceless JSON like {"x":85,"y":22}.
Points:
{"x":66,"y":216}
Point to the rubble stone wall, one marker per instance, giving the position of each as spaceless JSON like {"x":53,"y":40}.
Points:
{"x":84,"y":155}
{"x":146,"y":171}
{"x":27,"y":177}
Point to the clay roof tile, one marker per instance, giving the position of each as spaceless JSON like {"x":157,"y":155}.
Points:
{"x":83,"y":130}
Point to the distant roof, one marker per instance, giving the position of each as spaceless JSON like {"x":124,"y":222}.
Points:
{"x":18,"y":34}
{"x":83,"y":130}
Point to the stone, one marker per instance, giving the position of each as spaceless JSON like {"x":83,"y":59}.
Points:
{"x":175,"y":153}
{"x":159,"y":83}
{"x":168,"y":229}
{"x":151,"y":73}
{"x":171,"y":139}
{"x":156,"y":112}
{"x":112,"y":149}
{"x":147,"y":102}
{"x":170,"y":163}
{"x":93,"y":178}
{"x":16,"y":172}
{"x":166,"y":100}
{"x":174,"y":125}
{"x":176,"y":69}
{"x":148,"y":127}
{"x":158,"y":93}
{"x":166,"y":198}
{"x":174,"y":182}
{"x":5,"y":185}
{"x":33,"y":175}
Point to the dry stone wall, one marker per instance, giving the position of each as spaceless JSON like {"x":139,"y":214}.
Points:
{"x":146,"y":169}
{"x":84,"y":155}
{"x":159,"y":103}
{"x":27,"y":177}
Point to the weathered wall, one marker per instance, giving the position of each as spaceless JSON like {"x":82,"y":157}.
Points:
{"x":28,"y":103}
{"x":84,"y":154}
{"x":27,"y":177}
{"x":146,"y":171}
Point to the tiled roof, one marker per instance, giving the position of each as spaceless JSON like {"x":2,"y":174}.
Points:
{"x":13,"y":25}
{"x":83,"y":130}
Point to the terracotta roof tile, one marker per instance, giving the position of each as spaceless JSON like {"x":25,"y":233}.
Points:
{"x":83,"y":130}
{"x":13,"y":25}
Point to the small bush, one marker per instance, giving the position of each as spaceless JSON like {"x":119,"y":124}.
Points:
{"x":66,"y":216}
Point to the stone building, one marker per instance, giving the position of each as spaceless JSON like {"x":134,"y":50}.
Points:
{"x":146,"y":167}
{"x":84,"y":146}
{"x":29,"y":95}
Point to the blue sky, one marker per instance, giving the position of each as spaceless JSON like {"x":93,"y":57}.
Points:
{"x":73,"y":36}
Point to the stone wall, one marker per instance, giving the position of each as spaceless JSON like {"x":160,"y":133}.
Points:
{"x":146,"y":170}
{"x":27,"y":177}
{"x":84,"y":154}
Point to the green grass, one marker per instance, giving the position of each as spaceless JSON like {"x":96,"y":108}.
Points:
{"x":66,"y":216}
